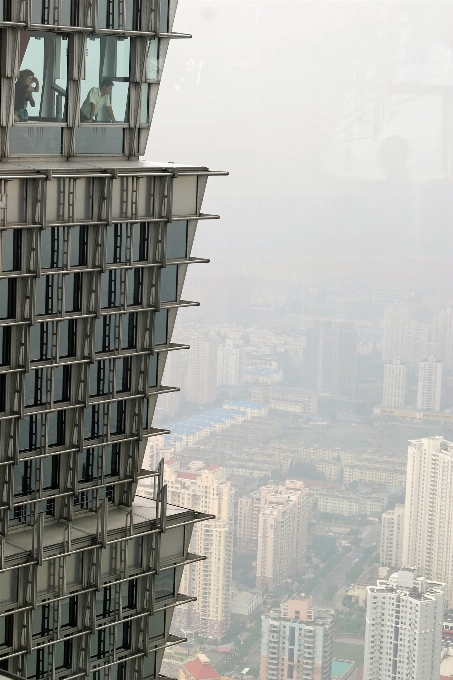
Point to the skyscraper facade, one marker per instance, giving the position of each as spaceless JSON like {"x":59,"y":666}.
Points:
{"x":403,"y":636}
{"x":429,"y":390}
{"x":296,"y":642}
{"x":94,"y":250}
{"x":428,"y":522}
{"x":392,"y":533}
{"x":394,"y":387}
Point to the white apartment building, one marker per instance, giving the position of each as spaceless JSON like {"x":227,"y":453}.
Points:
{"x":282,"y":534}
{"x":394,"y":387}
{"x":209,"y":581}
{"x":230,"y":364}
{"x":201,"y":385}
{"x":428,"y":518}
{"x":392,"y":537}
{"x":395,"y":318}
{"x":429,"y":385}
{"x":403,"y":635}
{"x":168,"y":403}
{"x":350,"y":504}
{"x":442,"y":336}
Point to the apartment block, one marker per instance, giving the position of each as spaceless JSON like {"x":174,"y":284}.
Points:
{"x":428,"y":522}
{"x":288,"y":399}
{"x":208,"y":581}
{"x":201,"y":387}
{"x":385,"y":473}
{"x":394,"y":386}
{"x":403,"y":637}
{"x":350,"y":504}
{"x":282,"y":534}
{"x":296,"y":642}
{"x":429,"y":390}
{"x":392,"y":533}
{"x":230,"y":364}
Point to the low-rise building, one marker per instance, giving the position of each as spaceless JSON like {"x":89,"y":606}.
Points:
{"x":392,"y":537}
{"x":244,"y":603}
{"x":349,"y":504}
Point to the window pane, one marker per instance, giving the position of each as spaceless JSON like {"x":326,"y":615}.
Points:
{"x":152,"y":60}
{"x":141,"y":236}
{"x":24,"y":140}
{"x":5,"y":345}
{"x":51,"y":247}
{"x":40,"y":90}
{"x":165,"y":584}
{"x":157,"y":625}
{"x":111,"y":460}
{"x":153,"y":370}
{"x":161,"y":327}
{"x":116,"y":243}
{"x":50,"y":471}
{"x":104,"y":92}
{"x":11,"y":250}
{"x":163,"y":24}
{"x":144,"y":104}
{"x":33,"y":387}
{"x":55,"y":428}
{"x":7,"y":298}
{"x":129,"y":322}
{"x":79,"y":236}
{"x":62,"y":383}
{"x":68,"y":337}
{"x":149,"y":665}
{"x":73,"y":292}
{"x":169,"y":278}
{"x":110,"y":288}
{"x":135,"y":286}
{"x":104,"y":333}
{"x":177,"y":240}
{"x":123,"y":374}
{"x":46,"y":294}
{"x":117,"y":417}
{"x":58,"y":14}
{"x":40,"y":341}
{"x":98,"y":140}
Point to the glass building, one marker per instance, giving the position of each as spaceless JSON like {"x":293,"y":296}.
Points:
{"x":94,"y":248}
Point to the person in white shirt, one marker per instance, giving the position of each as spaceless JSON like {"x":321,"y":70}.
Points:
{"x":97,"y":97}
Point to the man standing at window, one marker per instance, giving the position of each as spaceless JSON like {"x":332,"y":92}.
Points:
{"x":97,"y":97}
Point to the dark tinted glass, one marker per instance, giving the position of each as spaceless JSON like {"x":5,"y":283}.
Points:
{"x":165,"y":584}
{"x":26,"y":140}
{"x":79,"y":245}
{"x":157,"y":625}
{"x":46,"y":294}
{"x":11,"y":250}
{"x":50,"y":471}
{"x":8,"y":298}
{"x":123,"y":374}
{"x":141,"y":239}
{"x":135,"y":286}
{"x":169,"y":282}
{"x":161,"y":327}
{"x":40,"y":341}
{"x":68,"y":337}
{"x":51,"y":247}
{"x":177,"y":239}
{"x":111,"y":460}
{"x":153,"y":370}
{"x":104,"y":333}
{"x":56,"y":428}
{"x":116,"y":243}
{"x":129,"y":322}
{"x":62,"y":382}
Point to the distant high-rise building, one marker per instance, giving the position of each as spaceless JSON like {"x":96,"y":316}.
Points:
{"x":282,"y":534}
{"x":201,"y":386}
{"x":329,"y":364}
{"x":403,"y":637}
{"x":230,"y":364}
{"x":392,"y":537}
{"x":296,"y":642}
{"x":429,"y":389}
{"x":428,"y":520}
{"x":249,"y":508}
{"x":210,"y":581}
{"x":168,"y":402}
{"x":415,"y":343}
{"x":395,"y":318}
{"x":394,"y":388}
{"x":442,"y":336}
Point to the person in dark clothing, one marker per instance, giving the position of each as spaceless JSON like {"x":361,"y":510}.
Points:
{"x":23,"y":94}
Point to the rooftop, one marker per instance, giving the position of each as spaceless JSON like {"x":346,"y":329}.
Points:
{"x":340,"y":668}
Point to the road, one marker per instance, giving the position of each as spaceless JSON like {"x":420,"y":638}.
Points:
{"x":337,"y":576}
{"x":251,"y":659}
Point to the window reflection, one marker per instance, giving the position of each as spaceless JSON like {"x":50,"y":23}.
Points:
{"x":57,"y":13}
{"x":152,"y":60}
{"x":40,"y":89}
{"x":105,"y":90}
{"x":120,"y":14}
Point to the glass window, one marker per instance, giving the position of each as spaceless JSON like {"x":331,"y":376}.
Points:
{"x":135,"y":286}
{"x":46,"y":294}
{"x":6,"y":631}
{"x":152,"y":60}
{"x":100,"y":644}
{"x":165,"y":584}
{"x":63,"y":655}
{"x":25,"y":139}
{"x":163,"y":18}
{"x":8,"y":298}
{"x":123,"y":635}
{"x":28,"y":432}
{"x":98,"y":140}
{"x":93,"y":421}
{"x":123,"y":374}
{"x":43,"y":620}
{"x":24,"y":478}
{"x":110,"y":288}
{"x":61,"y":383}
{"x":177,"y":240}
{"x":104,"y":333}
{"x":157,"y":625}
{"x":144,"y":104}
{"x":59,"y":13}
{"x":38,"y":664}
{"x":40,"y":89}
{"x":88,"y":465}
{"x":11,"y":250}
{"x":111,"y":460}
{"x":68,"y":337}
{"x":5,"y":345}
{"x":129,"y":594}
{"x":123,"y":17}
{"x":40,"y":341}
{"x":105,"y":91}
{"x":34,"y":388}
{"x":129,"y":323}
{"x":149,"y":666}
{"x":169,"y":283}
{"x":153,"y":370}
{"x":99,"y":378}
{"x":117,"y":417}
{"x":51,"y":247}
{"x":141,"y":241}
{"x":68,"y":612}
{"x":73,"y":292}
{"x":116,"y":243}
{"x":161,"y":327}
{"x":56,"y":428}
{"x":105,"y":602}
{"x":79,"y":246}
{"x":50,"y":471}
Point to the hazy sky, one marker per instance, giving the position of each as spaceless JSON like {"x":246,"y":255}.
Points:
{"x":334,"y":120}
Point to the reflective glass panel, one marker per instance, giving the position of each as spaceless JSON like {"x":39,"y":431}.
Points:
{"x":57,"y":13}
{"x":141,"y":240}
{"x":165,"y":584}
{"x":152,"y":60}
{"x":99,"y":140}
{"x":144,"y":104}
{"x":116,"y":243}
{"x":104,"y":92}
{"x":68,"y":337}
{"x":163,"y":19}
{"x":169,"y":282}
{"x":123,"y":16}
{"x":157,"y":625}
{"x":7,"y":298}
{"x":79,"y":245}
{"x":51,"y":248}
{"x":11,"y":250}
{"x":40,"y":89}
{"x":161,"y":327}
{"x":153,"y":370}
{"x":177,"y":240}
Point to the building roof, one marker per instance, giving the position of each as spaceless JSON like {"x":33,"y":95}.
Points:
{"x":201,"y":669}
{"x":211,"y":468}
{"x":187,"y":475}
